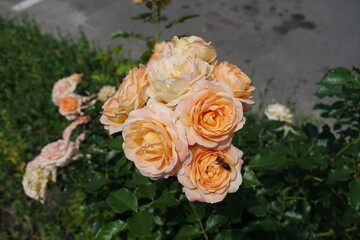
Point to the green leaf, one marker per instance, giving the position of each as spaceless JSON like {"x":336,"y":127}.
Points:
{"x":339,"y":174}
{"x":181,"y":20}
{"x":293,"y":217}
{"x":259,"y":210}
{"x":188,"y":231}
{"x":116,"y":143}
{"x":268,"y":224}
{"x":122,"y":200}
{"x":142,"y":16}
{"x":147,"y":191}
{"x":107,"y":231}
{"x":267,"y":160}
{"x":141,"y":223}
{"x":214,"y":221}
{"x":224,"y":235}
{"x":95,"y":182}
{"x":166,"y":199}
{"x":354,"y":194}
{"x":250,"y":179}
{"x":119,"y":164}
{"x":127,"y":35}
{"x":337,"y":76}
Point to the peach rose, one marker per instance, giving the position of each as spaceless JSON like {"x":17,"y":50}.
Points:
{"x":233,"y":76}
{"x":195,"y":47}
{"x":58,"y":153}
{"x":211,"y":174}
{"x":172,"y":77}
{"x":36,"y":178}
{"x":70,"y":106}
{"x":210,"y":114}
{"x":155,"y":141}
{"x":130,"y":95}
{"x":64,"y":87}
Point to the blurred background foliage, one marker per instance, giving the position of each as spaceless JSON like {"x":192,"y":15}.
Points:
{"x":302,"y":186}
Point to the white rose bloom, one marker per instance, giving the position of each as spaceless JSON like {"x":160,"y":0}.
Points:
{"x":106,"y":92}
{"x":36,"y":178}
{"x":278,"y":112}
{"x":170,"y":78}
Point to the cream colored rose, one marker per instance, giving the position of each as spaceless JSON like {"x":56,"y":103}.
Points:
{"x":160,"y":50}
{"x":64,"y":87}
{"x":155,"y":141}
{"x":36,"y":178}
{"x":70,"y":106}
{"x":172,"y":77}
{"x":130,"y":95}
{"x":58,"y":153}
{"x":106,"y":92}
{"x":233,"y":76}
{"x":211,"y":174}
{"x":278,"y":112}
{"x":210,"y":114}
{"x":195,"y":47}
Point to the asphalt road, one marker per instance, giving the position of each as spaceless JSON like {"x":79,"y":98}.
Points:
{"x":292,"y":42}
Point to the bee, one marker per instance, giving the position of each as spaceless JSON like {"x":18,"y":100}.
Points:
{"x":226,"y":166}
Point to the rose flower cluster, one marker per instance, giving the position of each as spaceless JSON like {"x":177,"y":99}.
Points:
{"x":178,"y":115}
{"x":57,"y":154}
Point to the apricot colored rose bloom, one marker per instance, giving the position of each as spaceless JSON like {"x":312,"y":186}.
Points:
{"x":212,"y":174}
{"x":70,"y":106}
{"x":210,"y":114}
{"x":155,"y":141}
{"x":130,"y":95}
{"x":58,"y":153}
{"x":172,"y":77}
{"x":64,"y":87}
{"x":239,"y":81}
{"x":195,"y":47}
{"x":36,"y":178}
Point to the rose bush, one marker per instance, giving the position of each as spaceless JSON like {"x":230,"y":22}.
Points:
{"x":303,"y":186}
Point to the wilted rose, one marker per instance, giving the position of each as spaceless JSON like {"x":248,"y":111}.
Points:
{"x":58,"y":153}
{"x":36,"y":178}
{"x":130,"y":95}
{"x":155,"y":141}
{"x":210,"y":114}
{"x":211,"y":174}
